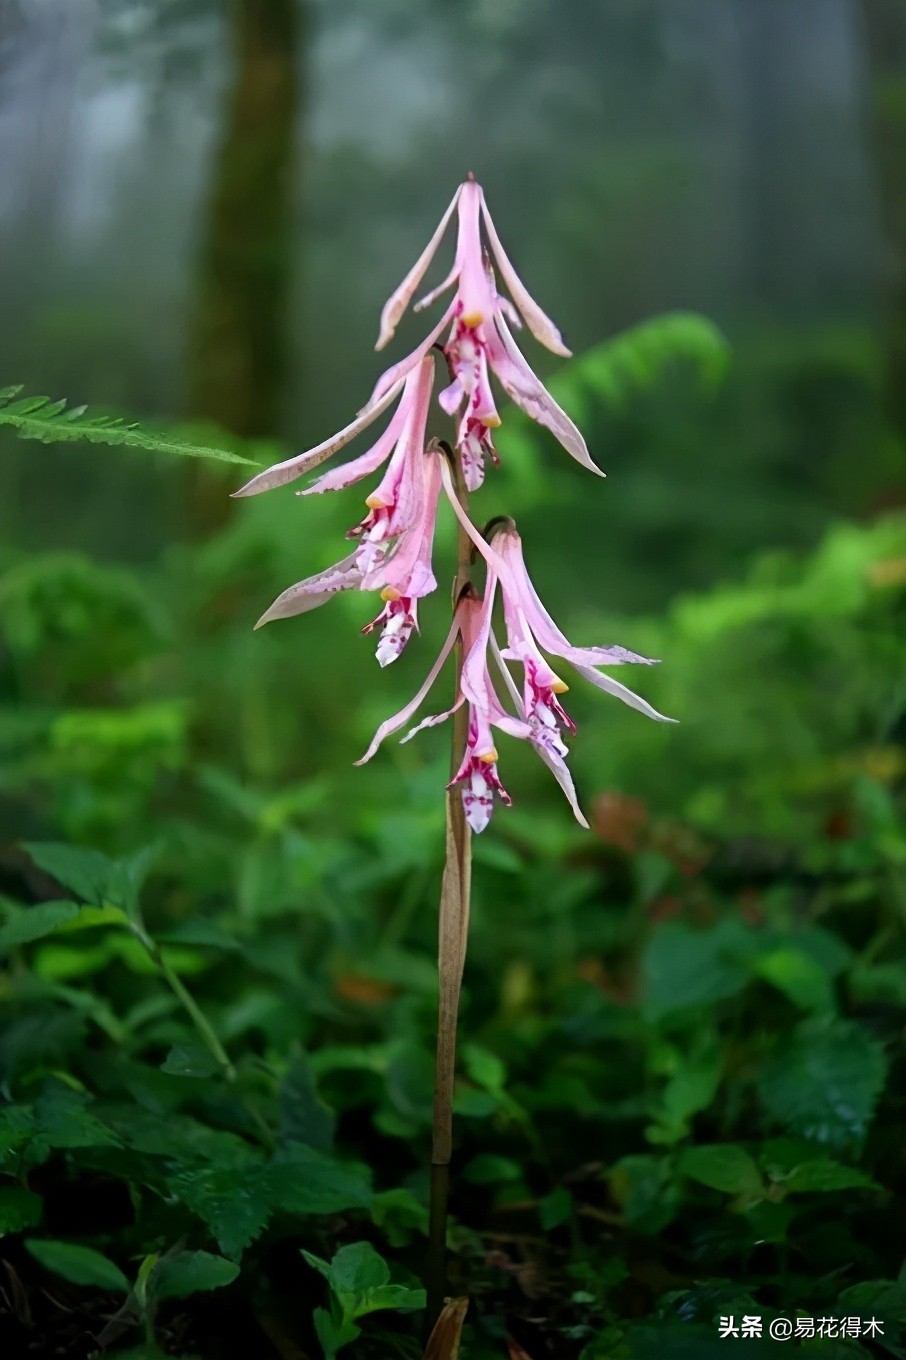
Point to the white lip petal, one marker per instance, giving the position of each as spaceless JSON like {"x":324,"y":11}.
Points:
{"x":540,"y":325}
{"x":399,"y":300}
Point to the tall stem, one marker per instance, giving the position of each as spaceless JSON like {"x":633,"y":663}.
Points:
{"x":453,"y":926}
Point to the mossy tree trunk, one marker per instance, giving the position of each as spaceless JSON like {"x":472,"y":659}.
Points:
{"x":237,"y":360}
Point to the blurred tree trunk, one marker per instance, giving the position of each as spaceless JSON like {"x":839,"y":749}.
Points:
{"x":885,"y":28}
{"x":238,"y":341}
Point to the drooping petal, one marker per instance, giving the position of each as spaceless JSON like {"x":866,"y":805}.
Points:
{"x":291,"y":468}
{"x":527,"y":391}
{"x":391,"y":725}
{"x":540,"y":325}
{"x":399,"y":300}
{"x":395,"y":374}
{"x":433,"y":720}
{"x":314,"y":591}
{"x":350,"y":473}
{"x":628,"y":696}
{"x":523,"y":596}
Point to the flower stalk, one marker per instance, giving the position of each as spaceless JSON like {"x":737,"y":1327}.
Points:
{"x":452,"y":937}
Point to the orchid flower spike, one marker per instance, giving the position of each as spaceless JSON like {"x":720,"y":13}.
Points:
{"x":480,"y":340}
{"x":396,"y":536}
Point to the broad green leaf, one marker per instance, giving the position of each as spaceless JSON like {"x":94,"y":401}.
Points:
{"x":484,"y":1068}
{"x":825,"y":1175}
{"x":191,"y":1272}
{"x":723,"y":1166}
{"x":489,"y":1168}
{"x":398,"y":1296}
{"x":79,"y":1265}
{"x":54,"y":422}
{"x":824,"y":1082}
{"x":200,"y":932}
{"x":684,"y":967}
{"x":333,"y":1333}
{"x":19,"y":1209}
{"x":799,"y":976}
{"x":555,"y":1208}
{"x":190,"y":1059}
{"x":302,"y":1180}
{"x":646,"y":1189}
{"x":33,"y":923}
{"x":304,"y":1117}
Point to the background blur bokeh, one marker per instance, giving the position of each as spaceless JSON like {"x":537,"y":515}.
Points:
{"x":202,"y":209}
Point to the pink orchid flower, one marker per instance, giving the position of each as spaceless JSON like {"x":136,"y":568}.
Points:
{"x":480,"y":340}
{"x":540,"y":717}
{"x":395,"y":539}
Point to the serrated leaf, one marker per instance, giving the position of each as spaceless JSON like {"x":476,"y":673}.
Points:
{"x":304,"y":1117}
{"x":33,"y":923}
{"x":824,"y":1083}
{"x":78,"y":1264}
{"x":63,"y":1120}
{"x":234,"y":1202}
{"x":19,"y":1209}
{"x":92,"y":876}
{"x":191,"y":1272}
{"x":52,"y":422}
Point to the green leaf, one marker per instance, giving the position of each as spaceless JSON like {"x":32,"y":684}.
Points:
{"x":54,"y":422}
{"x":684,"y":967}
{"x":33,"y":923}
{"x":333,"y":1333}
{"x":19,"y":1209}
{"x":302,"y":1180}
{"x":92,"y":876}
{"x":304,"y":1117}
{"x":191,"y":1272}
{"x":63,"y":1119}
{"x":484,"y":1068}
{"x":79,"y":1265}
{"x":488,"y":1168}
{"x":360,"y":1278}
{"x":723,"y":1166}
{"x":824,"y":1175}
{"x":555,"y":1208}
{"x":190,"y":1059}
{"x":234,"y":1202}
{"x":690,"y":1089}
{"x":824,"y":1083}
{"x":799,"y":977}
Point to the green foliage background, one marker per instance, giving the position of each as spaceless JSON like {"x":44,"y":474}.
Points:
{"x":681,"y":1094}
{"x":679,"y":1032}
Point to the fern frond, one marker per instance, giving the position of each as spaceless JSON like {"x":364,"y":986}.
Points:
{"x":54,"y":421}
{"x":635,"y":359}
